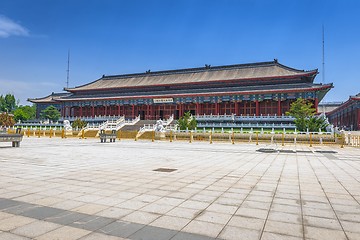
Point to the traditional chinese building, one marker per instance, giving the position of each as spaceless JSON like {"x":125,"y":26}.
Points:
{"x":264,"y":88}
{"x":347,"y":115}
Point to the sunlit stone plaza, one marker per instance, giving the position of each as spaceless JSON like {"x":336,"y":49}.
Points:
{"x":83,"y":189}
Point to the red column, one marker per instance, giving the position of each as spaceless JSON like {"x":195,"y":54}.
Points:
{"x":133,"y":110}
{"x":257,"y":108}
{"x":80,"y":111}
{"x":197,"y":112}
{"x":244,"y":107}
{"x":236,"y":106}
{"x":316,"y":103}
{"x":279,"y":108}
{"x":358,"y":120}
{"x":92,"y":111}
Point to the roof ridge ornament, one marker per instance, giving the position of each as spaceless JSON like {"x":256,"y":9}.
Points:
{"x":276,"y":60}
{"x":207,"y":66}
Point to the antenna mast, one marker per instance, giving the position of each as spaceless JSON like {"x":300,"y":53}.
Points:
{"x":68,"y":70}
{"x":323,"y":55}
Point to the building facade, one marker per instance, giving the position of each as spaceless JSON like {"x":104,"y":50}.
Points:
{"x":347,"y":115}
{"x":265,"y":88}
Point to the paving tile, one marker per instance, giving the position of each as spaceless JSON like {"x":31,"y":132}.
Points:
{"x":353,"y":236}
{"x":352,"y":217}
{"x":318,"y":212}
{"x":188,"y":236}
{"x":157,"y":208}
{"x":214,"y":217}
{"x":204,"y":228}
{"x":121,"y":228}
{"x":48,"y":201}
{"x":68,"y":204}
{"x":194,"y":205}
{"x":247,"y":222}
{"x":11,"y":236}
{"x":35,"y":229}
{"x":274,"y":236}
{"x":220,"y":208}
{"x":285,"y":217}
{"x":6,"y":203}
{"x":229,"y":201}
{"x":66,"y":217}
{"x":169,"y":201}
{"x":114,"y":212}
{"x":141,"y":217}
{"x":235,"y":233}
{"x":20,"y":208}
{"x":4,"y":215}
{"x":351,"y":226}
{"x":284,"y":228}
{"x":41,"y":212}
{"x":169,"y":222}
{"x":99,"y":236}
{"x":286,"y":208}
{"x":64,"y":233}
{"x":132,"y":204}
{"x":153,"y":233}
{"x":329,"y":223}
{"x":92,"y":223}
{"x":8,"y":224}
{"x":184,"y":212}
{"x":323,"y":233}
{"x":252,"y":212}
{"x":90,"y":208}
{"x":256,"y":205}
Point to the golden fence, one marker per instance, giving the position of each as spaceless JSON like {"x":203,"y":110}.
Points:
{"x":231,"y":137}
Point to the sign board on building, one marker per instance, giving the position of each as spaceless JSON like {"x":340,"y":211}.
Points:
{"x":163,"y":100}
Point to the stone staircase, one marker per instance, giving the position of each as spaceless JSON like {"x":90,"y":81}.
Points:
{"x":138,"y":125}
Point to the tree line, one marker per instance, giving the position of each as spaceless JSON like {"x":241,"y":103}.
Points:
{"x":11,"y":111}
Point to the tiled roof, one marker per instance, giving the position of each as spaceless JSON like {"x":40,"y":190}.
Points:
{"x":52,"y":98}
{"x":253,"y":71}
{"x":205,"y":91}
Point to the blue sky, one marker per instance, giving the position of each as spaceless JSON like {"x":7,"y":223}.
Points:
{"x":116,"y":37}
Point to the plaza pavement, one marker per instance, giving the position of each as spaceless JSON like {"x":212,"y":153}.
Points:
{"x":83,"y":189}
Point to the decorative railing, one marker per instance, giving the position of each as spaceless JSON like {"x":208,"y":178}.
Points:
{"x":234,"y":117}
{"x":171,"y":127}
{"x":168,"y":121}
{"x":95,"y":118}
{"x":245,"y":125}
{"x":118,"y":123}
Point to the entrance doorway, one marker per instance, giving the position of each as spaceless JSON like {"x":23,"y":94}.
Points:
{"x":176,"y":114}
{"x":142,"y":115}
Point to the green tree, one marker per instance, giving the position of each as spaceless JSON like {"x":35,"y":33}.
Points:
{"x":2,"y":104}
{"x":304,"y":113}
{"x":6,"y":120}
{"x":50,"y":113}
{"x":316,"y":123}
{"x":24,"y":113}
{"x":187,"y":122}
{"x":7,"y":103}
{"x":78,"y":123}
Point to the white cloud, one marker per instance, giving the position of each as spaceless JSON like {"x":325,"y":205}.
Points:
{"x":10,"y":28}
